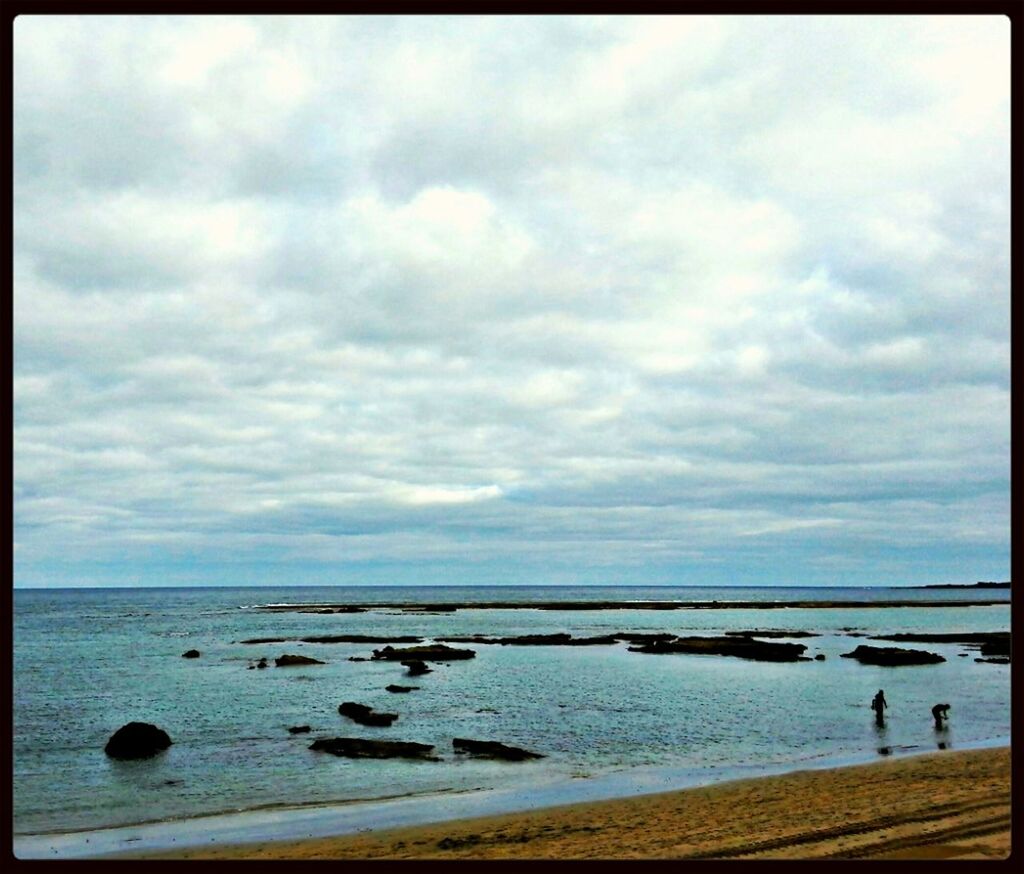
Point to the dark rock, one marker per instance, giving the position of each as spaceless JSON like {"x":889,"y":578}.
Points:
{"x":288,"y":660}
{"x":643,"y":637}
{"x":262,"y":663}
{"x":364,"y":715}
{"x":191,"y":654}
{"x":991,"y":643}
{"x":265,"y":640}
{"x":891,"y":656}
{"x":361,"y":638}
{"x":740,"y":647}
{"x":437,"y":652}
{"x":396,"y":688}
{"x":137,"y":740}
{"x":772,"y":633}
{"x":492,"y":750}
{"x":416,"y":667}
{"x":999,"y":648}
{"x":361,"y":748}
{"x":299,"y":729}
{"x":820,"y":657}
{"x":558,"y":639}
{"x":998,"y":661}
{"x":358,"y":659}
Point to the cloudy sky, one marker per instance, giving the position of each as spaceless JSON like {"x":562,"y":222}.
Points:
{"x":511,"y":300}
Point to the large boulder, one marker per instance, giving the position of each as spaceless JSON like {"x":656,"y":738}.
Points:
{"x":362,"y":748}
{"x":892,"y":656}
{"x":492,"y":750}
{"x":137,"y":740}
{"x":365,"y":715}
{"x":288,"y":660}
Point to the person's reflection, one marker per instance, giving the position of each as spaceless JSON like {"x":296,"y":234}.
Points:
{"x":881,"y":738}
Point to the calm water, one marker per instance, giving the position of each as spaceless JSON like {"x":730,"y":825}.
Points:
{"x":88,"y":661}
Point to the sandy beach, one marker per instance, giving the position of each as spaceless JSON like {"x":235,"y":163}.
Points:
{"x":943,"y":805}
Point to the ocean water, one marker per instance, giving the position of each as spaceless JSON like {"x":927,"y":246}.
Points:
{"x":88,"y":661}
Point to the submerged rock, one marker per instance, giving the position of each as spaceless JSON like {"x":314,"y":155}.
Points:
{"x":362,"y":748}
{"x":891,"y":656}
{"x":365,"y":715}
{"x":289,"y":660}
{"x":299,"y":729}
{"x":137,"y":740}
{"x":772,"y":633}
{"x":437,"y":652}
{"x":492,"y":750}
{"x":996,"y":661}
{"x":191,"y":654}
{"x":740,"y":647}
{"x":396,"y":688}
{"x":416,"y":667}
{"x":991,"y":643}
{"x":557,"y":639}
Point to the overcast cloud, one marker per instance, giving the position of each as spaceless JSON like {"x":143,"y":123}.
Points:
{"x":488,"y":300}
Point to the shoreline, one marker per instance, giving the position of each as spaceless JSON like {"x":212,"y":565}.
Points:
{"x":330,"y":821}
{"x":939,"y":805}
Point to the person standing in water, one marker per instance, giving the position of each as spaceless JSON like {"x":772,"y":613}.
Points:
{"x":879,"y":704}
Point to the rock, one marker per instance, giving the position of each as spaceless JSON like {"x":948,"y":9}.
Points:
{"x":492,"y":750}
{"x":437,"y":652}
{"x":361,"y":638}
{"x":891,"y":656}
{"x":358,"y":659}
{"x":262,"y":663}
{"x":991,"y":643}
{"x":772,"y":633}
{"x":361,"y":748}
{"x":288,"y":660}
{"x":299,"y":729}
{"x":1000,"y":647}
{"x":137,"y":740}
{"x":558,"y":639}
{"x":740,"y":647}
{"x":999,"y":661}
{"x":820,"y":657}
{"x":644,"y":637}
{"x":338,"y":638}
{"x":191,"y":654}
{"x":364,"y":715}
{"x":395,"y":688}
{"x":416,"y":667}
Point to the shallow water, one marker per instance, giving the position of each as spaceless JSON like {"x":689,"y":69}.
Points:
{"x":87,"y":661}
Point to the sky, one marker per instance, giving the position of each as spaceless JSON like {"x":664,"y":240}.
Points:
{"x":511,"y":300}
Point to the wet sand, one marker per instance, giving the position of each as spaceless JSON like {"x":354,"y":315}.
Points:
{"x":943,"y":805}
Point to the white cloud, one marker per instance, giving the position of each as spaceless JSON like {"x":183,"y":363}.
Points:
{"x":578,"y":295}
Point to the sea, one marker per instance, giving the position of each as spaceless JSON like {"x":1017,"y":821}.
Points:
{"x":609,"y":722}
